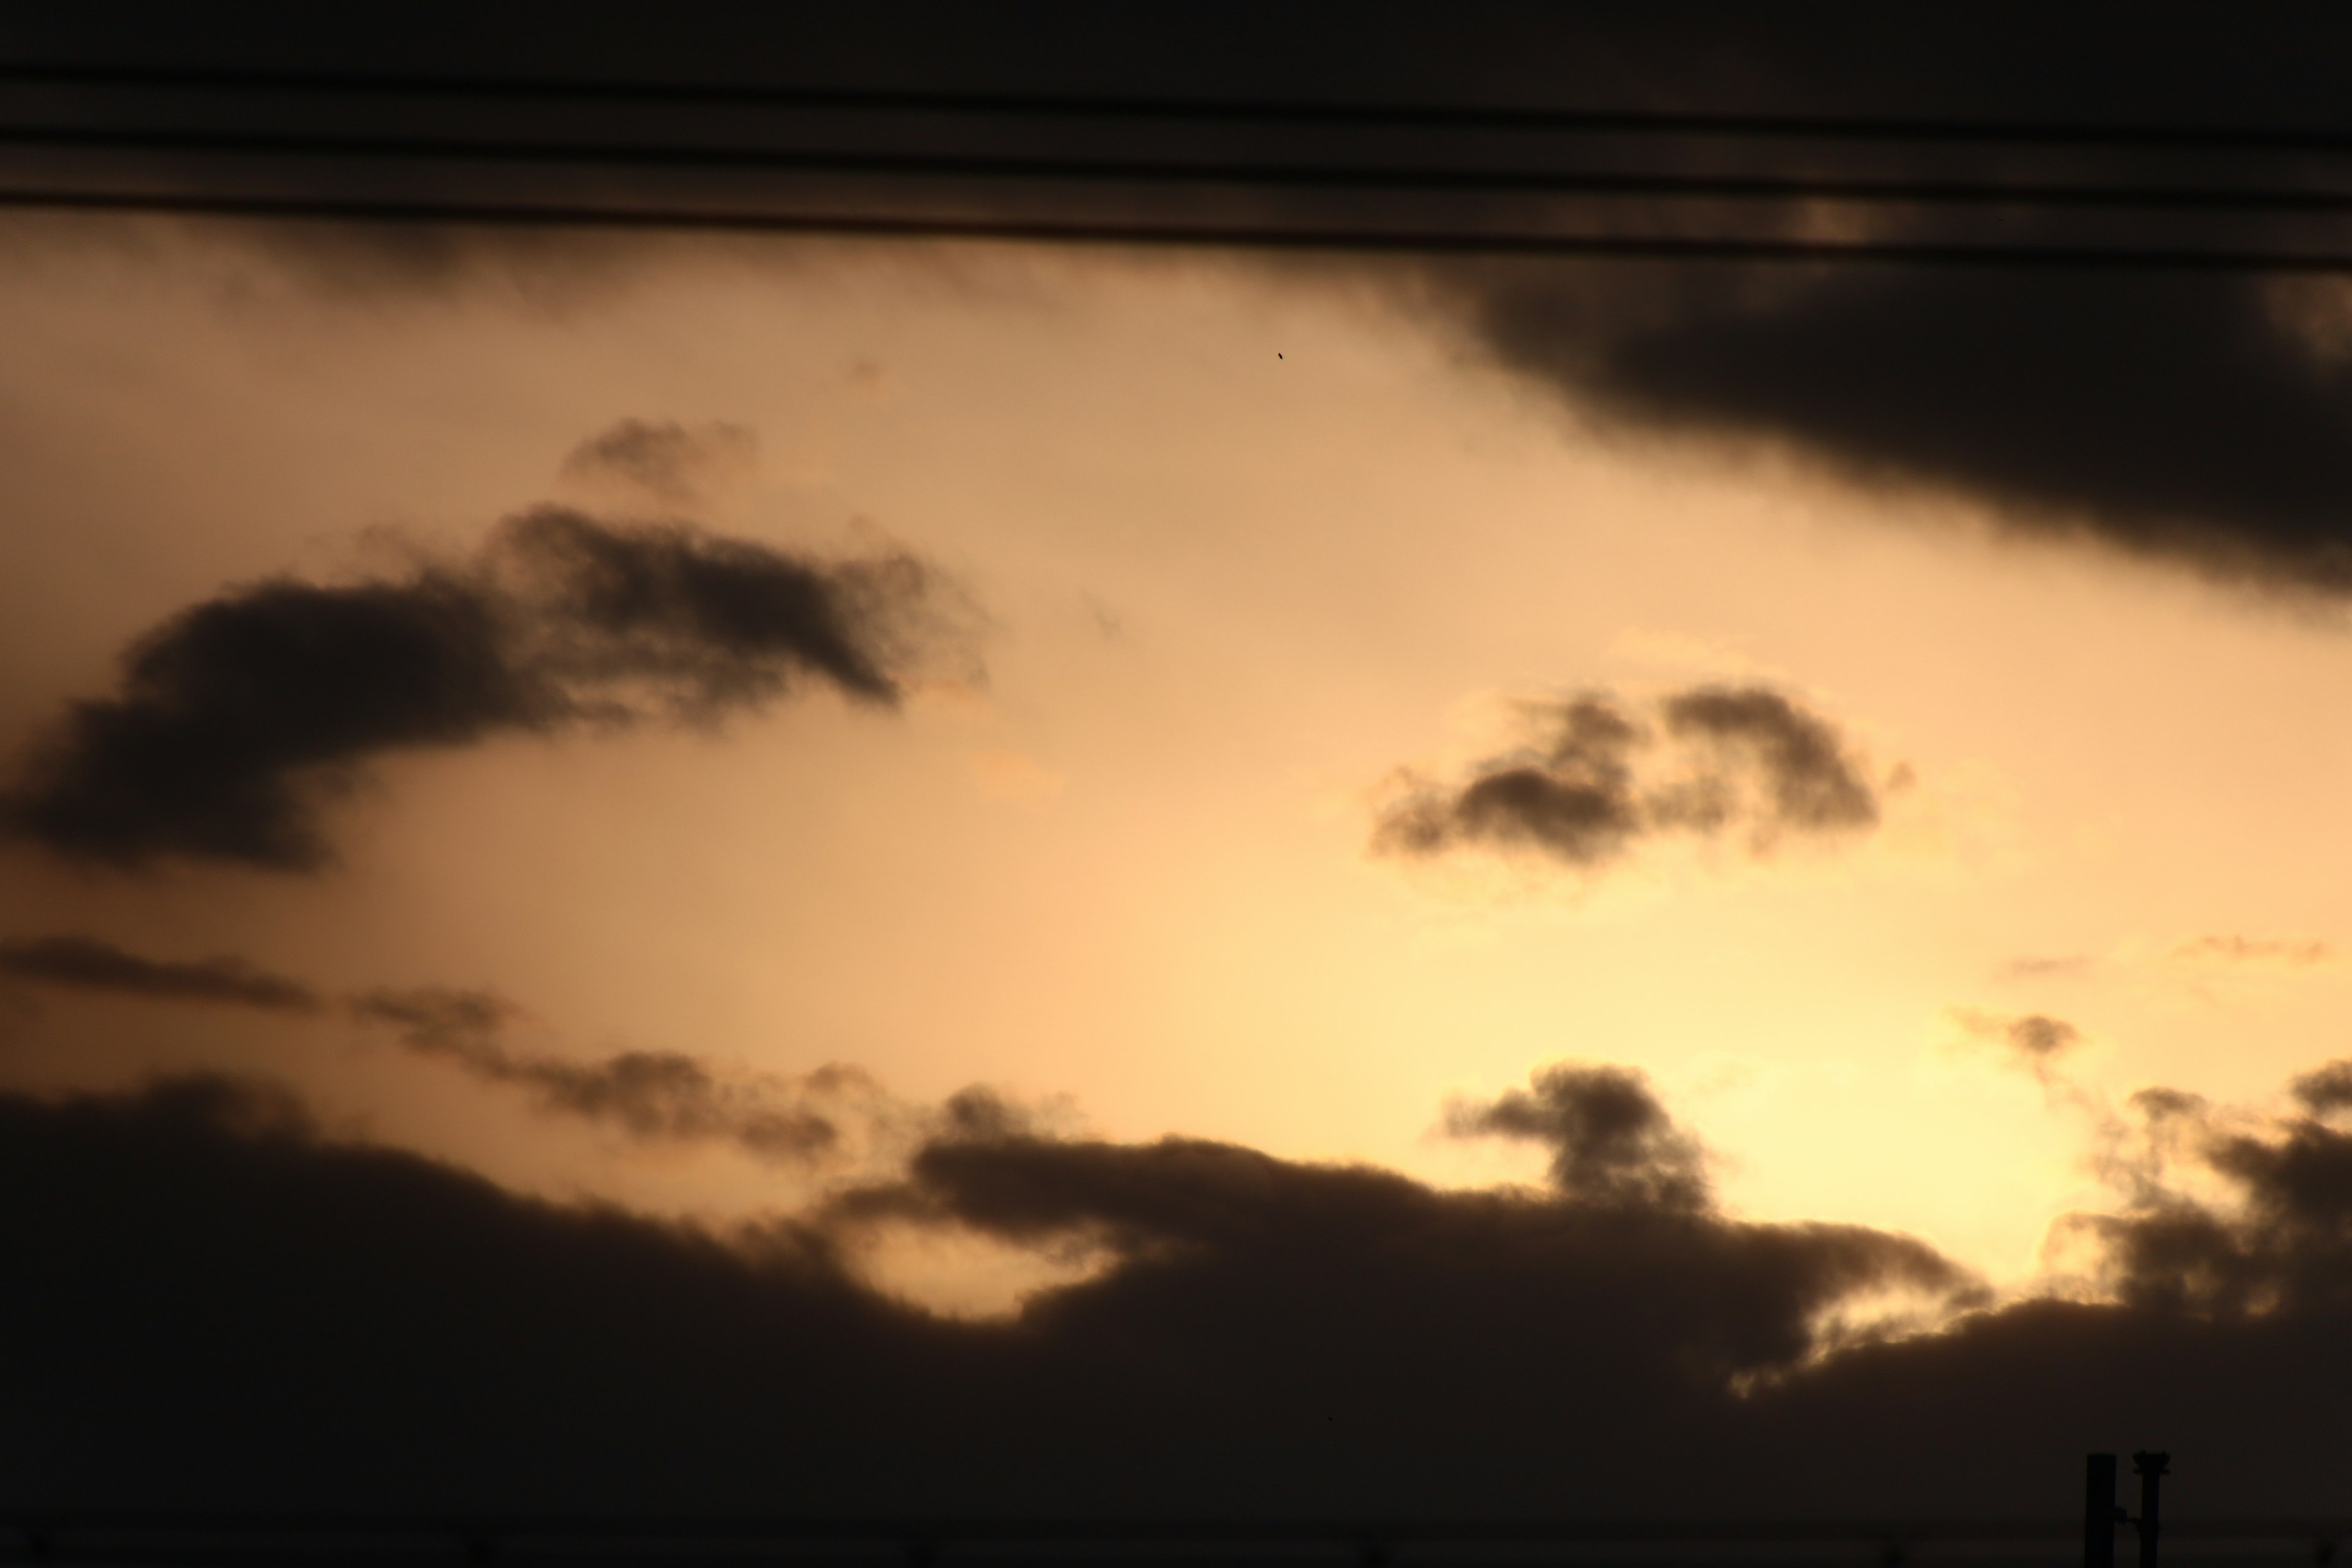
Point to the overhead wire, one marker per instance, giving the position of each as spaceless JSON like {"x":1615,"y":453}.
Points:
{"x":1353,"y":176}
{"x":1323,"y":175}
{"x":1061,"y":105}
{"x":1114,"y":233}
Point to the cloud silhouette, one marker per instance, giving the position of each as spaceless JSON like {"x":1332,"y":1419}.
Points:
{"x":651,"y":1096}
{"x":1604,"y":777}
{"x":2195,"y":416}
{"x":2277,"y":1249}
{"x":2035,"y":1040}
{"x":1801,"y":758}
{"x":86,"y":963}
{"x":2192,"y":419}
{"x":664,"y":461}
{"x":238,"y":721}
{"x":236,"y":1308}
{"x":1611,"y":1142}
{"x":2325,"y":1089}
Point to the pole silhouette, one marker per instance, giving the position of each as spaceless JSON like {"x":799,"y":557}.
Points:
{"x":2099,"y":1511}
{"x":2151,"y":1468}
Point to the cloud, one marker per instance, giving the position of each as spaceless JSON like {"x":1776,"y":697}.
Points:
{"x":1611,"y":1142}
{"x":827,"y":1116}
{"x":1619,"y":1283}
{"x":2067,"y":967}
{"x":665,"y":461}
{"x":2196,"y":416}
{"x":2274,"y":1244}
{"x":352,"y":1326}
{"x":238,"y":721}
{"x":1604,"y":777}
{"x":1801,"y":758}
{"x":2189,"y":418}
{"x":2036,"y":1039}
{"x":651,"y":1096}
{"x":2291,"y":952}
{"x":86,"y":963}
{"x":2325,"y":1090}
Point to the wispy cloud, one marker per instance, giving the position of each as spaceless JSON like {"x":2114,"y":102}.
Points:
{"x":2285,"y":952}
{"x":651,"y":1096}
{"x":833,"y":1116}
{"x":665,"y":461}
{"x":86,"y":963}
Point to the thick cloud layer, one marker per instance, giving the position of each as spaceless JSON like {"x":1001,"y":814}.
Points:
{"x":234,"y":1310}
{"x":2199,"y":416}
{"x":239,"y":719}
{"x":1265,"y":1335}
{"x":1713,"y":759}
{"x":2203,"y":419}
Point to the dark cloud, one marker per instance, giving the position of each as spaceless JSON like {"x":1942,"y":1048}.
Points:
{"x":2199,"y":419}
{"x":2198,"y":416}
{"x":2160,"y":1105}
{"x":667,"y":461}
{"x":2039,"y":1035}
{"x":234,"y":1309}
{"x":651,"y":1096}
{"x":2278,"y":1247}
{"x":1611,"y":1142}
{"x":238,"y":721}
{"x":2325,"y":1090}
{"x":1577,"y":801}
{"x":1713,"y":759}
{"x":707,"y":624}
{"x":827,"y":1116}
{"x":236,"y":717}
{"x":86,"y":963}
{"x":2035,"y":1038}
{"x":1801,"y":759}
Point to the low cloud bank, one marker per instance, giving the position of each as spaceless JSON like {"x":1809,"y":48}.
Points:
{"x":235,"y":1307}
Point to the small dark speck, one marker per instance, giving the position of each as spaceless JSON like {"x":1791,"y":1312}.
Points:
{"x":1277,"y":354}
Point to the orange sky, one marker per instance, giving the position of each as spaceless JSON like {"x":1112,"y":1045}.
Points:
{"x":1234,"y":548}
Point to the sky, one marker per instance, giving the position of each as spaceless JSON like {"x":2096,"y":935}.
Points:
{"x":906,"y":877}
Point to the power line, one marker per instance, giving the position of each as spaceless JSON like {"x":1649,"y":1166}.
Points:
{"x":1229,"y":110}
{"x":1652,"y":248}
{"x":1250,"y":173}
